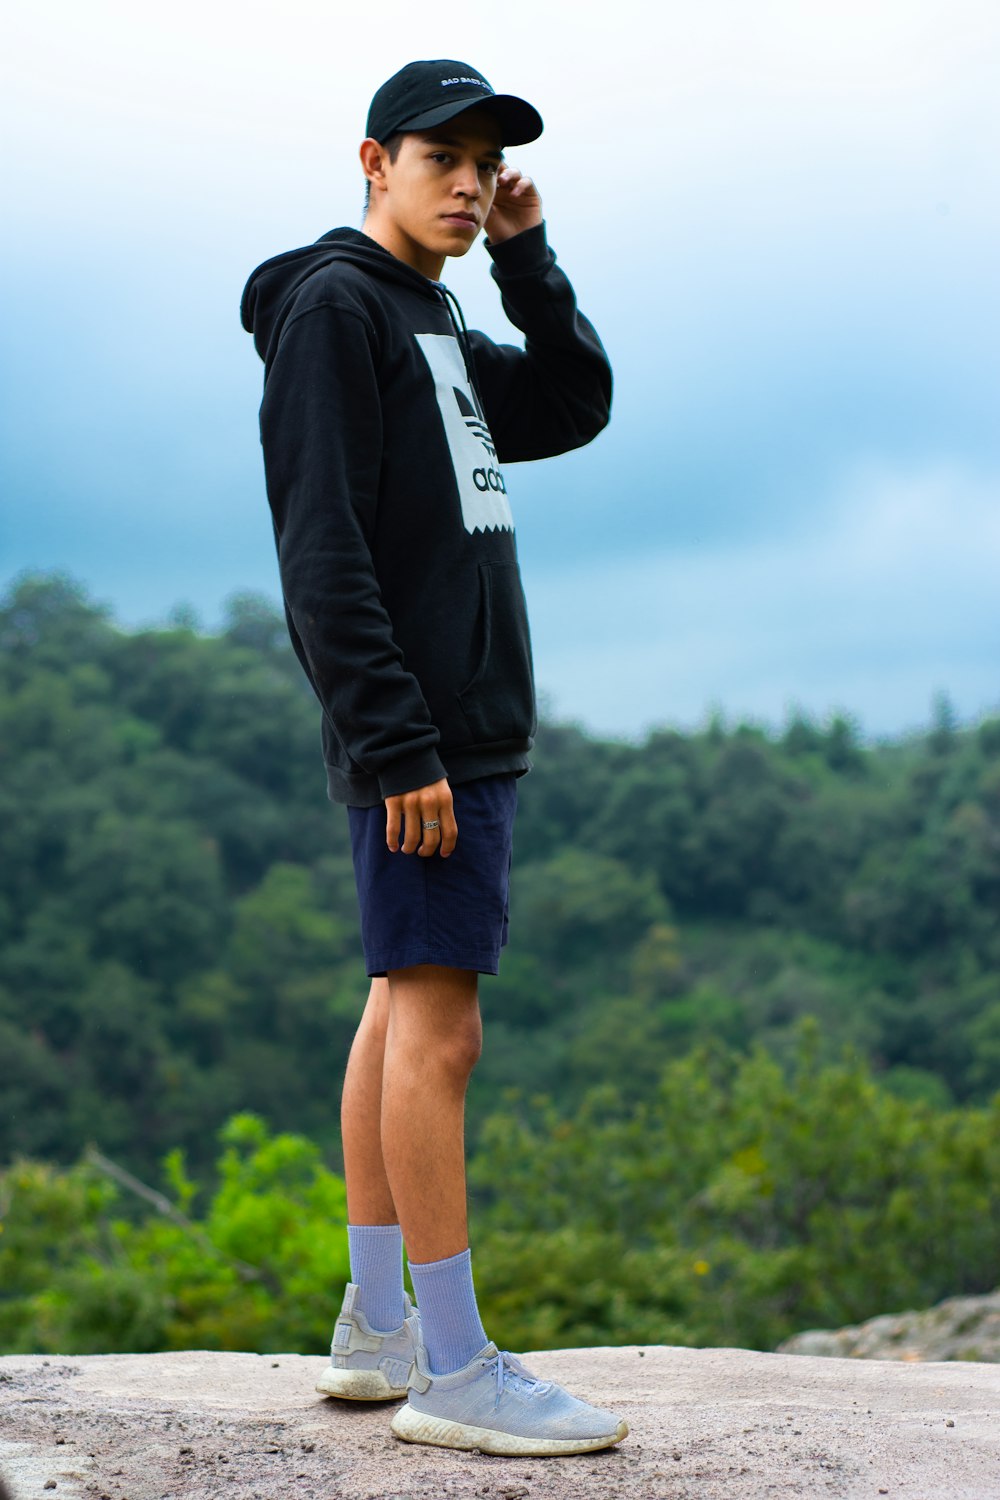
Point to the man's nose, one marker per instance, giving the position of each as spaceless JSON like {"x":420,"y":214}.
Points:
{"x":468,"y":183}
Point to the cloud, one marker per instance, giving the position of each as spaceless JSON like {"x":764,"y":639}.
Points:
{"x":780,"y":217}
{"x":890,"y":597}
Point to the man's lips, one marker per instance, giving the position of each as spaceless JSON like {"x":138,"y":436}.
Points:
{"x":466,"y":218}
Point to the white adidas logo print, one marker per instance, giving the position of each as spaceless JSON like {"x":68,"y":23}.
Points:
{"x":481,"y":486}
{"x":474,"y":422}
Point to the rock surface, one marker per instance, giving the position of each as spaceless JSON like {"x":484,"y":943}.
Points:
{"x":705,"y":1424}
{"x":957,"y":1328}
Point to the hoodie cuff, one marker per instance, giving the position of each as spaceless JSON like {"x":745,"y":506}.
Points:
{"x":523,"y":253}
{"x":410,"y":772}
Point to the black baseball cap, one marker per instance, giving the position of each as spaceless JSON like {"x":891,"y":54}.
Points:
{"x":427,"y":93}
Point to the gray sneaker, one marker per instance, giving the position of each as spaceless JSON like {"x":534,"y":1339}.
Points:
{"x":495,"y":1405}
{"x":366,"y":1365}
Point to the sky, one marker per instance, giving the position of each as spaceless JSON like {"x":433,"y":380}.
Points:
{"x":782,"y":218}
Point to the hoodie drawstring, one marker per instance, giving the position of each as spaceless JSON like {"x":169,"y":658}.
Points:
{"x":464,"y":343}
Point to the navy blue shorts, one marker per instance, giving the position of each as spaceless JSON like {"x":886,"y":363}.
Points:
{"x":453,"y":911}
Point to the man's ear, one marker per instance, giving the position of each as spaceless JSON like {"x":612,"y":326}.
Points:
{"x":374,"y":159}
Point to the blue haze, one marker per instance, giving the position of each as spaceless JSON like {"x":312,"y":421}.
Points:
{"x":797,"y":499}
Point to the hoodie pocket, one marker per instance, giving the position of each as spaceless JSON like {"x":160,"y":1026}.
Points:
{"x":499,"y":701}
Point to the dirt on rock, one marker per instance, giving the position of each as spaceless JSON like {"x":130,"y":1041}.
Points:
{"x":705,"y":1424}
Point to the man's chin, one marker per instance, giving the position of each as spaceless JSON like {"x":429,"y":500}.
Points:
{"x":463,"y":247}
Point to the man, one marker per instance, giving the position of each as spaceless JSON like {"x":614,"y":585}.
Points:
{"x":385,"y":424}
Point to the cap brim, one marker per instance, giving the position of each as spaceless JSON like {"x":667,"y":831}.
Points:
{"x":519,"y":121}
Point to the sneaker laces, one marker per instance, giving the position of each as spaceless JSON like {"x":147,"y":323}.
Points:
{"x":510,"y":1371}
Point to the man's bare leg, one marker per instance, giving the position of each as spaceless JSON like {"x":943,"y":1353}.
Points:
{"x":433,"y":1040}
{"x":403,"y":1103}
{"x":403,"y":1122}
{"x":369,"y":1199}
{"x":373,"y":1233}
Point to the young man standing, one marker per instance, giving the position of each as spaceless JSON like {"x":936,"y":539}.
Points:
{"x":385,"y":424}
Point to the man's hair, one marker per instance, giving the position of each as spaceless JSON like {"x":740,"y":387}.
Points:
{"x":392,"y":145}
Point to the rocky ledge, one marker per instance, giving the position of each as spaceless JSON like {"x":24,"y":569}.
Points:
{"x":706,"y":1424}
{"x":966,"y":1328}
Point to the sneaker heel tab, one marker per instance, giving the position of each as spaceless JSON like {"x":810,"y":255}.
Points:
{"x":417,"y":1382}
{"x":350,"y":1298}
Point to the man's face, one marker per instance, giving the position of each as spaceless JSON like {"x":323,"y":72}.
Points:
{"x":442,"y":183}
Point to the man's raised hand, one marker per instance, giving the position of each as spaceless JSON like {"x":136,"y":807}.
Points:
{"x":411,"y":810}
{"x":517,"y":205}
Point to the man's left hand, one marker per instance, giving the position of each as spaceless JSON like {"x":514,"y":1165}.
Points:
{"x":516,"y":206}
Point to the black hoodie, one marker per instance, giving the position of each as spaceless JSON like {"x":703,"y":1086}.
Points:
{"x":384,"y":424}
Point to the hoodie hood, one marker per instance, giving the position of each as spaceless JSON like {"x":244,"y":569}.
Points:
{"x":273,"y":287}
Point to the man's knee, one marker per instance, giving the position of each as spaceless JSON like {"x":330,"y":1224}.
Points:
{"x":374,"y":1024}
{"x":435,"y":1014}
{"x":377,"y":1008}
{"x":461,"y":1050}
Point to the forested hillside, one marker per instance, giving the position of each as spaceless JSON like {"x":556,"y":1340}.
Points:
{"x":178,"y":912}
{"x":747,"y":1030}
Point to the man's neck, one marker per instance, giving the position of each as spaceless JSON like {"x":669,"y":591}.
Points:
{"x":403,"y":246}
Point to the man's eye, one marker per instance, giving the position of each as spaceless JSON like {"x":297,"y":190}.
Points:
{"x":440,"y":156}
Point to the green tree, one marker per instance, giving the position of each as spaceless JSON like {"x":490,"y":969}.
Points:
{"x":264,"y":1268}
{"x":739,"y":1205}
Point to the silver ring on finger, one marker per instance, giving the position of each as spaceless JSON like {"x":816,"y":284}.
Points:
{"x":432,"y":824}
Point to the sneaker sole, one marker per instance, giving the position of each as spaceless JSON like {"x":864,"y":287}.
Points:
{"x":417,"y":1427}
{"x":358,"y":1385}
